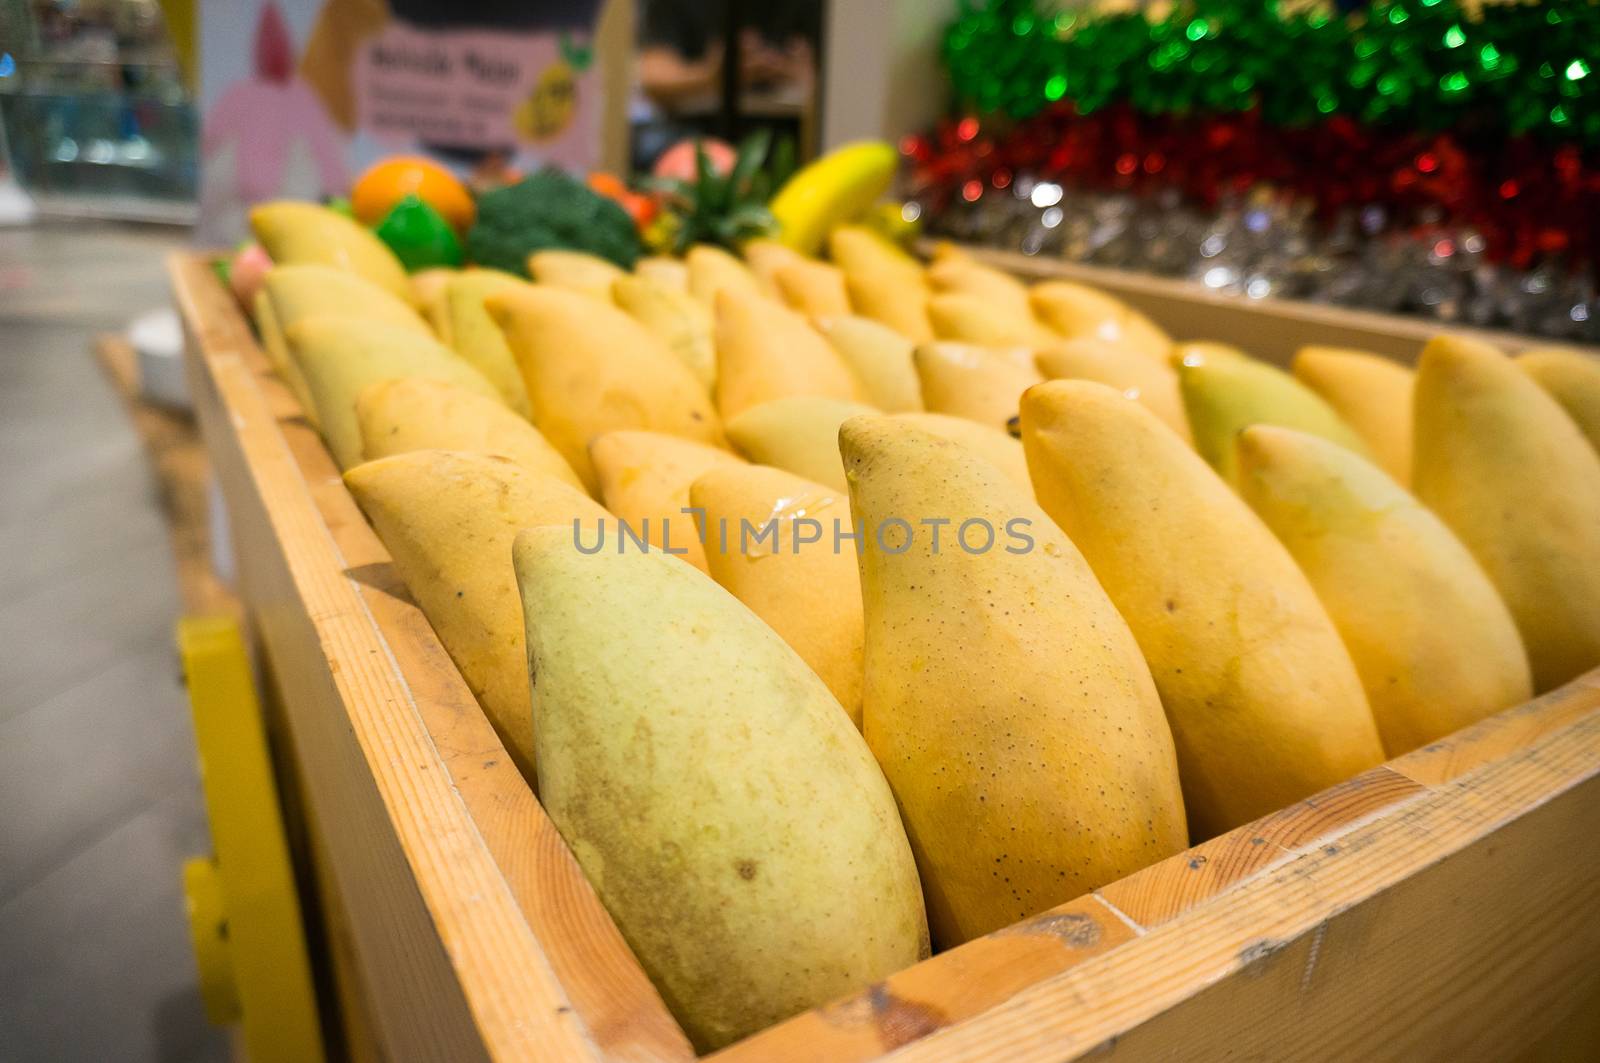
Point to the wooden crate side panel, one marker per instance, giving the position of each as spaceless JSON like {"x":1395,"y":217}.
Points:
{"x":370,"y":868}
{"x":1164,"y":891}
{"x":962,"y":983}
{"x":1460,"y":925}
{"x":1240,"y":878}
{"x":454,"y":971}
{"x":1500,"y":735}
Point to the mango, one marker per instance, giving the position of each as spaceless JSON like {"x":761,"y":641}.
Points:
{"x":448,"y":520}
{"x":1373,"y":395}
{"x":1435,"y":646}
{"x":1005,"y":698}
{"x":1503,"y":465}
{"x":1265,"y":703}
{"x":730,"y":818}
{"x":589,"y":368}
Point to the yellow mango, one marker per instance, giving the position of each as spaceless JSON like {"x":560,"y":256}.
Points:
{"x":1135,"y":375}
{"x":417,"y":413}
{"x":1573,"y":380}
{"x":960,"y":274}
{"x":576,"y":271}
{"x":979,"y":383}
{"x":295,"y":234}
{"x":766,"y":351}
{"x":1075,"y":310}
{"x":341,"y":357}
{"x":765,"y":258}
{"x":878,"y":357}
{"x":799,"y":434}
{"x":1265,"y":703}
{"x":898,"y":303}
{"x":675,"y":318}
{"x":476,"y":337}
{"x":813,"y":288}
{"x":645,"y":479}
{"x":295,"y":293}
{"x":1005,"y":698}
{"x":969,"y":318}
{"x":589,"y":368}
{"x":1503,"y":465}
{"x":711,"y":270}
{"x":858,"y":250}
{"x":427,"y":295}
{"x":1435,"y":646}
{"x":276,"y":346}
{"x":448,"y":520}
{"x":782,"y":546}
{"x":1373,"y":395}
{"x":996,"y":447}
{"x":663,"y":269}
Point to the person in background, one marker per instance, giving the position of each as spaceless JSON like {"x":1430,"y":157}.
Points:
{"x":682,"y":53}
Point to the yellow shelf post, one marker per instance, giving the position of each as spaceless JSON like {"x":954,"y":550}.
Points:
{"x":244,"y":912}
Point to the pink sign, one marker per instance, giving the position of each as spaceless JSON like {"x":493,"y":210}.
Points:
{"x":476,"y":89}
{"x":298,"y":97}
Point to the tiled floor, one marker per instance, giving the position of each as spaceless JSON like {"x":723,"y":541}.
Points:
{"x":99,"y":802}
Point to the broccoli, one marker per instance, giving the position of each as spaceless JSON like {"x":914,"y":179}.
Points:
{"x":549,"y":209}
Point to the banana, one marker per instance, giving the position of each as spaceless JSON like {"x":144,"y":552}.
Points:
{"x":836,"y":188}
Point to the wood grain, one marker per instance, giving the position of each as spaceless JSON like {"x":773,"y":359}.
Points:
{"x":1165,"y":890}
{"x":1226,"y":908}
{"x":1450,"y":929}
{"x":935,"y":993}
{"x":1500,"y":735}
{"x":477,"y":935}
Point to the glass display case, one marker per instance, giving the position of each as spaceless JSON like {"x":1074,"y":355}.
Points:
{"x":95,"y":108}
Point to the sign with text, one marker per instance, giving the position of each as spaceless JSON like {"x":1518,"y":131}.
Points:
{"x":298,"y":96}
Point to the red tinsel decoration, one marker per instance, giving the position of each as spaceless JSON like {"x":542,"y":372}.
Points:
{"x":1529,"y":201}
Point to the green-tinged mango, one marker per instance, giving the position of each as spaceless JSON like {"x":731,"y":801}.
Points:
{"x":730,"y":818}
{"x":1224,"y":396}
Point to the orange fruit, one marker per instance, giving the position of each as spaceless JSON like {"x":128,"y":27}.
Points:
{"x":388,"y":182}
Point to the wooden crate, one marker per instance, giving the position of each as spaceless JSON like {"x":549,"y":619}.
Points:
{"x":1445,"y":905}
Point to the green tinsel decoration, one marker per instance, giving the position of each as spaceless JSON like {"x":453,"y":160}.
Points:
{"x":1416,"y":64}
